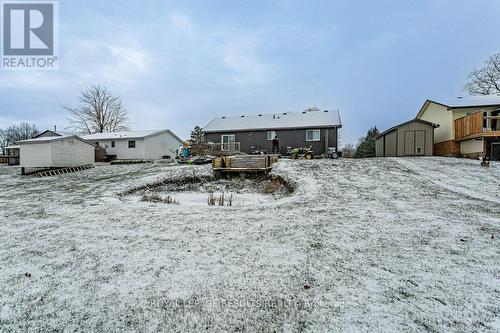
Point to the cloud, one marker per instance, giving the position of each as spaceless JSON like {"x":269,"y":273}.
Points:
{"x":245,"y":66}
{"x":104,"y":60}
{"x":235,"y":53}
{"x":181,"y":22}
{"x":129,"y":56}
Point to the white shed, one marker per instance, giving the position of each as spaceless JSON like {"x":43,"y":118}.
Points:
{"x":56,"y":152}
{"x":140,"y":145}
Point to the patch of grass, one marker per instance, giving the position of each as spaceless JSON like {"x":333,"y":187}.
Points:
{"x":221,"y":199}
{"x":156,"y":198}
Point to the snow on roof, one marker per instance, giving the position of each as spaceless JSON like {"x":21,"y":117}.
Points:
{"x":309,"y":119}
{"x":12,"y":147}
{"x":52,"y":139}
{"x":468,"y":101}
{"x":60,"y":133}
{"x":407,"y":122}
{"x":127,"y":135}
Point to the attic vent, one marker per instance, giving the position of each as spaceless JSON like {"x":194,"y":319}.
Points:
{"x":284,"y":113}
{"x":304,"y":112}
{"x":459,"y":97}
{"x":260,"y":115}
{"x":242,"y":116}
{"x":325,"y":111}
{"x":223,"y":117}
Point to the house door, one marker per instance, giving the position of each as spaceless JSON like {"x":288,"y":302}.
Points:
{"x":420,"y":143}
{"x":409,"y":143}
{"x":495,"y":151}
{"x":228,"y":142}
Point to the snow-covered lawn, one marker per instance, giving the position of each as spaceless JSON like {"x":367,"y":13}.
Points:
{"x":362,"y":245}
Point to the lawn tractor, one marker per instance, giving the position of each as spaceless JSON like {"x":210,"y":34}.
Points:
{"x":303,"y":152}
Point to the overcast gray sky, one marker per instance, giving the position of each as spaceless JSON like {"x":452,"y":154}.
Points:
{"x":178,"y":64}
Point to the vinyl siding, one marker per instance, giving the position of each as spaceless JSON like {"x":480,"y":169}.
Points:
{"x":287,"y":138}
{"x":121,"y":149}
{"x":427,"y":144}
{"x":440,"y":115}
{"x":161,"y":145}
{"x":405,"y":139}
{"x":37,"y":155}
{"x":71,"y":152}
{"x":57,"y":154}
{"x":391,"y":144}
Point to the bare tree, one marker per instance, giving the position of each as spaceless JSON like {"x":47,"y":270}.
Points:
{"x":14,"y":133}
{"x":98,"y":111}
{"x":348,"y":150}
{"x":485,"y":80}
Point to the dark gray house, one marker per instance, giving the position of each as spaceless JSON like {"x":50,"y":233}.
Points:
{"x":318,"y":129}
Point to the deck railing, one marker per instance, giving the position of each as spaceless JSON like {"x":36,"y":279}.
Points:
{"x":469,"y":125}
{"x":223,"y":149}
{"x":477,"y":124}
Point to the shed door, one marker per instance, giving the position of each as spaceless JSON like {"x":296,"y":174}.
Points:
{"x":420,"y":143}
{"x":409,"y":143}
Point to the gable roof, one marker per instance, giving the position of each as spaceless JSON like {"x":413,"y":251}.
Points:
{"x":305,"y":119}
{"x":47,"y":139}
{"x":405,"y":123}
{"x":55,"y":133}
{"x":127,"y":135}
{"x":464,"y":102}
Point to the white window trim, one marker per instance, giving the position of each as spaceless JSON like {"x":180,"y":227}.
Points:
{"x":227,"y":135}
{"x":228,"y":142}
{"x":273,"y":135}
{"x":313,"y":140}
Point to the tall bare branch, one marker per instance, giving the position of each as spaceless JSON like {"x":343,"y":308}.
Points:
{"x":485,"y":80}
{"x":98,"y":111}
{"x":14,"y":133}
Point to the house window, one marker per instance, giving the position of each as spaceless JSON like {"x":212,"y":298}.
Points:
{"x":228,"y":142}
{"x":131,"y":144}
{"x":313,"y":135}
{"x":271,"y":135}
{"x":112,"y":144}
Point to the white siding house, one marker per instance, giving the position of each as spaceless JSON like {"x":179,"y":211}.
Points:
{"x":141,"y":145}
{"x":56,"y":152}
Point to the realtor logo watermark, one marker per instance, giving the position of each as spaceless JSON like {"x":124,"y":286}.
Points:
{"x":30,"y":38}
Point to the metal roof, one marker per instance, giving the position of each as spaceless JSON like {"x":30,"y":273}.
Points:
{"x":52,"y":139}
{"x":305,"y":119}
{"x":407,"y":122}
{"x":127,"y":135}
{"x":59,"y":133}
{"x":468,"y":101}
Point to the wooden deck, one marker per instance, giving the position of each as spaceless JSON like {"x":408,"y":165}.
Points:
{"x":473,"y":126}
{"x":244,"y":164}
